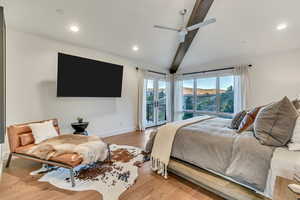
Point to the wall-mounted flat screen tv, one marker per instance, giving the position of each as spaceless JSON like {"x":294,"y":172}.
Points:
{"x":82,"y":77}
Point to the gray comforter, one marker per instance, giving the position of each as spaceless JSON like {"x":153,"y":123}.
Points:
{"x":213,"y":146}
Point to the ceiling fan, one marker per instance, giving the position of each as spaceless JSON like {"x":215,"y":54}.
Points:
{"x":183,"y":31}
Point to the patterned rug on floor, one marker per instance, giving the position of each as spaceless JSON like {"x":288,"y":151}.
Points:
{"x":110,"y":179}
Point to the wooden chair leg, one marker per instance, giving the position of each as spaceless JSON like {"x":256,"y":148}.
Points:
{"x":72,"y":177}
{"x":9,"y":160}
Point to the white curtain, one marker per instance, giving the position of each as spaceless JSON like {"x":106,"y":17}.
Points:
{"x":168,"y":98}
{"x":141,"y":100}
{"x":178,"y":98}
{"x":241,"y":88}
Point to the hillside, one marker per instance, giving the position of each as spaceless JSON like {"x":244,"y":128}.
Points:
{"x":189,"y":91}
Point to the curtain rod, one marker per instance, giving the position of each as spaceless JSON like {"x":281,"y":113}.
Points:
{"x":212,"y":70}
{"x":161,"y":73}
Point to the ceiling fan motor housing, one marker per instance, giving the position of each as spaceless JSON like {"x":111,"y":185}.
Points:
{"x":183,"y":12}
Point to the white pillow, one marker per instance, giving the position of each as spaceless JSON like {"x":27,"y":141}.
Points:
{"x":42,"y":131}
{"x":294,"y":145}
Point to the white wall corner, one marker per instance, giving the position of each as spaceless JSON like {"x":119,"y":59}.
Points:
{"x":1,"y":161}
{"x":106,"y":115}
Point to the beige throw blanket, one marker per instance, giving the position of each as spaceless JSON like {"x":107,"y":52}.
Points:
{"x":90,"y":148}
{"x":163,"y":142}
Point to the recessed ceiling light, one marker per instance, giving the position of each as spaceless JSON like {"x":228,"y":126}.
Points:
{"x":135,"y":48}
{"x":281,"y":26}
{"x":74,"y":28}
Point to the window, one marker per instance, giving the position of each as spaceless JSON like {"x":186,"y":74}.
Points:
{"x":208,"y":95}
{"x":188,"y":98}
{"x":188,"y":94}
{"x":162,"y":101}
{"x":226,"y":94}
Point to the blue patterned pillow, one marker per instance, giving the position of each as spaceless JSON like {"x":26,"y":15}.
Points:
{"x":238,"y":118}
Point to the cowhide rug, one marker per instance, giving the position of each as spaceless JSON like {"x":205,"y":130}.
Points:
{"x":110,"y":179}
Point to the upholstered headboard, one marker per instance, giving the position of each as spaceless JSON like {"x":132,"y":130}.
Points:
{"x":14,"y":132}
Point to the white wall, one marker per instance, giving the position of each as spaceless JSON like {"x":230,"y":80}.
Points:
{"x":31,"y":88}
{"x":275,"y":76}
{"x":31,"y":84}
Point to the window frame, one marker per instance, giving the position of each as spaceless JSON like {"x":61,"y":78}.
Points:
{"x":218,"y":97}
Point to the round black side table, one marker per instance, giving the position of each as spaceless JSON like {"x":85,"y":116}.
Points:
{"x":80,"y":128}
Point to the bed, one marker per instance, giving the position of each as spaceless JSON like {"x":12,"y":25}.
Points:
{"x":212,"y":151}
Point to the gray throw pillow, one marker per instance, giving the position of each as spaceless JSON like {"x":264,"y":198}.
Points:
{"x":275,"y":123}
{"x":237,"y":119}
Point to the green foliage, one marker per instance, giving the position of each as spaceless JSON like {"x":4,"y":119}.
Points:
{"x":187,"y":115}
{"x":150,"y":106}
{"x":227,"y":101}
{"x":188,"y":102}
{"x":208,"y":102}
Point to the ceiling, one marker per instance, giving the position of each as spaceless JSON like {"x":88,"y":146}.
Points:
{"x":109,"y":25}
{"x":243,"y":28}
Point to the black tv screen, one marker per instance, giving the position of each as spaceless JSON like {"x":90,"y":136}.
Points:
{"x":82,"y":77}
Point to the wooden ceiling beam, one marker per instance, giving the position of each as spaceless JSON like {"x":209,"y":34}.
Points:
{"x":198,"y":15}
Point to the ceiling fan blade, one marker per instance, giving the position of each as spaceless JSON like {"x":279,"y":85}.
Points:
{"x":199,"y":25}
{"x":166,"y":28}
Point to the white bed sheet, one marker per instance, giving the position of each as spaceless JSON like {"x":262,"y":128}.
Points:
{"x":284,"y":163}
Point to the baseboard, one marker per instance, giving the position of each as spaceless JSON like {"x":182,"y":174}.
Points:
{"x":116,"y":132}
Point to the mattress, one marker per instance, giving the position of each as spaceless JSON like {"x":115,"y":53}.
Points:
{"x":212,"y":145}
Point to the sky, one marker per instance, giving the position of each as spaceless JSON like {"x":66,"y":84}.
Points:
{"x":205,"y":83}
{"x":210,"y":83}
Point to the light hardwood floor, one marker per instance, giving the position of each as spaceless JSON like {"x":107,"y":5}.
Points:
{"x":17,"y":184}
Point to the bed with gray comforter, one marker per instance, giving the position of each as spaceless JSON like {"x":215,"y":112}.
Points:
{"x":213,"y":146}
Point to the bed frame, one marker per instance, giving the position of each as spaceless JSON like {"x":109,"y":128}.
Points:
{"x":213,"y":182}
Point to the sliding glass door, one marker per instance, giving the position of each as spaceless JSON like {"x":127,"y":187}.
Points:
{"x":156,"y":102}
{"x":161,"y":102}
{"x":150,"y":102}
